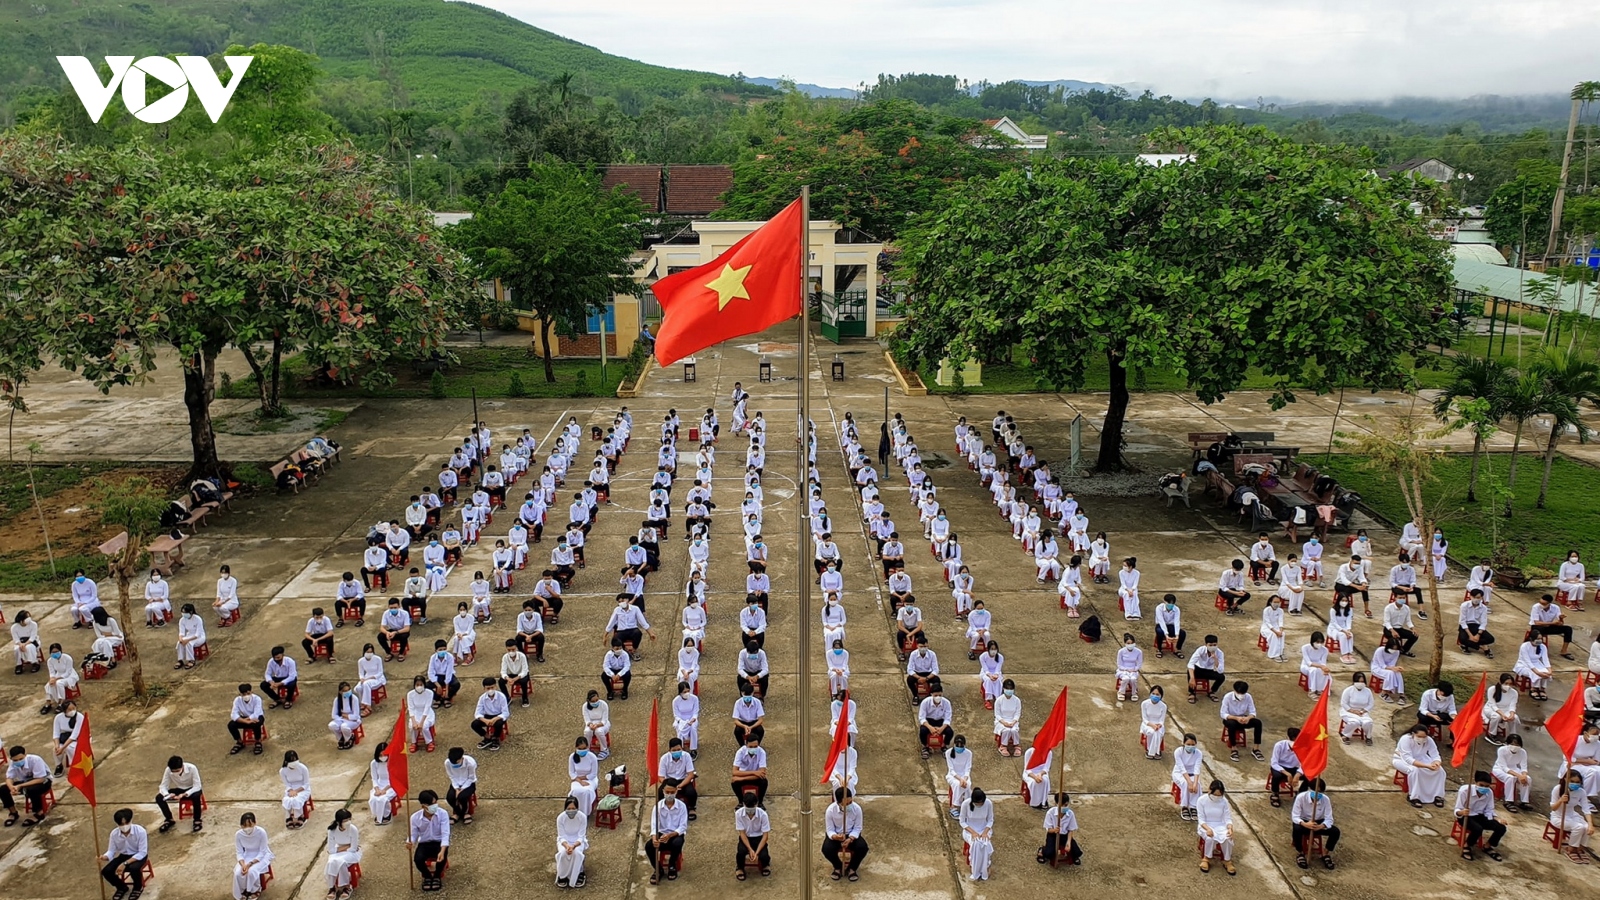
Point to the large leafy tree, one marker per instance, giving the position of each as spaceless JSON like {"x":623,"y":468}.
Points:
{"x":1569,"y":380}
{"x":111,"y":254}
{"x":561,"y":242}
{"x":1257,"y":252}
{"x":874,"y":167}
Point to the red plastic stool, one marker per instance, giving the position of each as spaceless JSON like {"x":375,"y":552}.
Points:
{"x":1200,"y":845}
{"x":625,"y":789}
{"x":227,"y":620}
{"x":355,"y":875}
{"x":1228,"y":742}
{"x":186,"y":807}
{"x":1144,"y":743}
{"x":93,"y":670}
{"x":1305,"y":683}
{"x":1261,"y":642}
{"x":379,"y":694}
{"x":73,"y":693}
{"x":1221,"y":602}
{"x":202,"y":652}
{"x":608,"y":818}
{"x":1552,"y":834}
{"x":1458,"y":833}
{"x":1401,"y":781}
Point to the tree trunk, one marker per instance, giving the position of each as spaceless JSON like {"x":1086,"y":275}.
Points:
{"x":277,"y":371}
{"x":199,"y":387}
{"x":124,"y":573}
{"x":1516,"y":444}
{"x":1549,"y":459}
{"x":1110,"y":459}
{"x":1437,"y":661}
{"x":261,"y":378}
{"x":544,"y":336}
{"x":1472,"y":479}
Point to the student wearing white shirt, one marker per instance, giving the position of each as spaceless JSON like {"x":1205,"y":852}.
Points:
{"x":1036,"y":778}
{"x":462,"y":772}
{"x":1500,"y":710}
{"x":252,"y":858}
{"x":1130,"y":662}
{"x":1417,"y":757}
{"x":842,"y":834}
{"x":977,"y":832}
{"x":227,"y":602}
{"x":1314,"y":664}
{"x":1385,"y":664}
{"x":430,"y":840}
{"x":1272,"y":628}
{"x":1545,"y":619}
{"x":61,"y":676}
{"x":1341,"y":628}
{"x":490,"y":715}
{"x":1215,"y":826}
{"x":1128,"y":591}
{"x":750,"y":770}
{"x":616,"y":671}
{"x":1153,"y":722}
{"x":1292,"y":586}
{"x":1283,"y":768}
{"x":1533,"y":663}
{"x":346,"y":716}
{"x":85,"y":598}
{"x":934,"y":715}
{"x":382,"y":793}
{"x":1472,"y":628}
{"x":1355,"y":709}
{"x":583,"y":773}
{"x":157,"y":601}
{"x":572,"y":842}
{"x":1060,"y":830}
{"x":1238,"y":716}
{"x":753,"y":826}
{"x":1169,"y":626}
{"x":344,"y":851}
{"x":420,"y":702}
{"x":597,"y":725}
{"x":1311,"y":554}
{"x":1570,"y":814}
{"x":127,"y":850}
{"x":1569,"y":584}
{"x":1403,"y":584}
{"x":1397,"y":624}
{"x":1186,"y":772}
{"x":677,"y":764}
{"x":1070,"y":587}
{"x":1230,"y":587}
{"x":530,"y":630}
{"x":25,"y":642}
{"x":1263,"y":560}
{"x":1585,"y":760}
{"x":1206,"y":669}
{"x":1511,"y":770}
{"x":1312,"y":815}
{"x":1351,"y":579}
{"x":296,"y":780}
{"x":958,"y":773}
{"x":689,"y":662}
{"x":669,"y":822}
{"x":108,"y":637}
{"x":1474,"y":809}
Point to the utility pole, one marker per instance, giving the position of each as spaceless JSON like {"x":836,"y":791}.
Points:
{"x":1583,"y":92}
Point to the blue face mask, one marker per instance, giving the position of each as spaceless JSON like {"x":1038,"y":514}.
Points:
{"x":56,"y":655}
{"x":582,"y":753}
{"x":958,"y":749}
{"x":80,"y":579}
{"x":677,"y":754}
{"x":1155,"y":698}
{"x":839,"y":651}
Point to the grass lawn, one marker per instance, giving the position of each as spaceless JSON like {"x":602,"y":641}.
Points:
{"x":1506,"y":345}
{"x":1017,"y":377}
{"x":1570,"y":517}
{"x":487,"y":370}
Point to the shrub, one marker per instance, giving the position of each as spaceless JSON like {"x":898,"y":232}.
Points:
{"x":517,"y":388}
{"x":436,"y":385}
{"x":581,"y":388}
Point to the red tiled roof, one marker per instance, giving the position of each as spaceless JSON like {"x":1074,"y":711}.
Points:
{"x":643,"y":182}
{"x":697,"y":190}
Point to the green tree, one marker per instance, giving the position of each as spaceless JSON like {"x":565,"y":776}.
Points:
{"x":1521,"y":398}
{"x":874,"y":168}
{"x":555,"y":122}
{"x":1518,"y":212}
{"x":112,"y":254}
{"x":560,"y":242}
{"x":135,"y":505}
{"x":1256,"y":253}
{"x":1569,"y":380}
{"x":1473,"y":378}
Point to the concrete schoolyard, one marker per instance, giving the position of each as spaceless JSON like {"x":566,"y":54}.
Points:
{"x":288,"y":552}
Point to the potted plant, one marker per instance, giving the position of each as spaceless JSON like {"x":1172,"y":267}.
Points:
{"x":1507,"y":573}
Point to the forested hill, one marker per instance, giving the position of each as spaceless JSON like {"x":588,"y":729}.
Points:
{"x":437,"y":54}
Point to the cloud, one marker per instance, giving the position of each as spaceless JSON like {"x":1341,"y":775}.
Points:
{"x":1301,"y":49}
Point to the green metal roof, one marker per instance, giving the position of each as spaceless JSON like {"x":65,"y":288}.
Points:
{"x":1509,"y":283}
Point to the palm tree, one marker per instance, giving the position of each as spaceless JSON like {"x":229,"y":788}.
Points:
{"x":1521,"y":398}
{"x":1568,"y":380}
{"x":1473,"y":378}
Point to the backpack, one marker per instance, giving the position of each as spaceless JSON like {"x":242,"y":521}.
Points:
{"x":1090,"y":629}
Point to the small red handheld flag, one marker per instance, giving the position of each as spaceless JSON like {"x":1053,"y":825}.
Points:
{"x":1312,"y":745}
{"x":1054,"y":730}
{"x":751,"y":287}
{"x":400,"y":757}
{"x":1566,"y":724}
{"x":652,"y":741}
{"x":1468,"y":724}
{"x":841,"y":739}
{"x":81,"y":773}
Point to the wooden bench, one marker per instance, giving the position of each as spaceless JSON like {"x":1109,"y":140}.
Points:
{"x":1256,"y":437}
{"x":113,"y":549}
{"x":1240,"y":460}
{"x":166,"y":554}
{"x":277,"y":470}
{"x":310,"y":465}
{"x":1201,"y":441}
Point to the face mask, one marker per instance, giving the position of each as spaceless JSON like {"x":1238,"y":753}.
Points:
{"x":249,"y":829}
{"x":959,"y":749}
{"x":590,"y":705}
{"x":677,"y":754}
{"x":80,"y":579}
{"x":1127,"y":643}
{"x":1155,"y":698}
{"x":125,"y":829}
{"x":56,"y":655}
{"x":582,"y":753}
{"x":839,"y":652}
{"x":155,"y":577}
{"x":1010,"y":693}
{"x":572,"y":813}
{"x":749,"y":700}
{"x":433,"y":808}
{"x":442,"y":654}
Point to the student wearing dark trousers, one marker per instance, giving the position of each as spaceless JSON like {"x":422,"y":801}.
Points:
{"x":1475,"y":810}
{"x":125,"y":855}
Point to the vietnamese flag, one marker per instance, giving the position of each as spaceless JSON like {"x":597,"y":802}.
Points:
{"x":841,"y":739}
{"x":1054,"y":730}
{"x":751,"y":287}
{"x":1468,"y":723}
{"x":652,"y":741}
{"x":81,"y":773}
{"x":400,"y":757}
{"x":1566,"y":724}
{"x":1311,"y":747}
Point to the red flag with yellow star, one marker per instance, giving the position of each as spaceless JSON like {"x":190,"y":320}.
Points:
{"x":751,"y":287}
{"x":81,"y":773}
{"x":1312,"y":745}
{"x":399,"y":764}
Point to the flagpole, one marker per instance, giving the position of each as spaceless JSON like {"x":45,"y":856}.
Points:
{"x":802,"y":531}
{"x":94,"y":824}
{"x":406,"y":844}
{"x":1061,"y":758}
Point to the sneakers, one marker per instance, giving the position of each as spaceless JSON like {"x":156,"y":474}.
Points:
{"x":483,"y":744}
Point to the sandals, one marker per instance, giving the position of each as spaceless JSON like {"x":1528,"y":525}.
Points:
{"x":167,"y":826}
{"x":740,"y":874}
{"x":655,"y":877}
{"x":836,"y":874}
{"x":11,"y":819}
{"x":1300,"y":861}
{"x":258,"y":749}
{"x":1277,"y":802}
{"x":466,"y":820}
{"x":854,"y":875}
{"x":236,"y":748}
{"x":1466,"y":854}
{"x":1327,"y":861}
{"x":1492,"y":853}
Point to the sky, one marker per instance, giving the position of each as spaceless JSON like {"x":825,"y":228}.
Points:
{"x":1225,"y":49}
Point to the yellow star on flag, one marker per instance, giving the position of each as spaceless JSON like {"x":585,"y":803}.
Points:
{"x":1322,"y":732}
{"x":730,"y":285}
{"x":85,"y":764}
